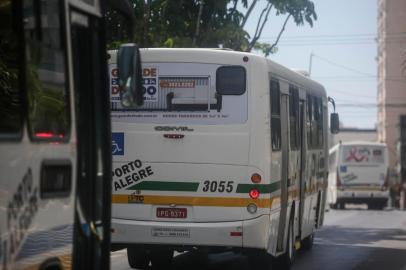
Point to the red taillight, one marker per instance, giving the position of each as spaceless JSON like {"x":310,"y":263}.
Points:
{"x":235,"y":233}
{"x":48,"y":135}
{"x":255,"y":178}
{"x":254,"y":193}
{"x":45,"y":135}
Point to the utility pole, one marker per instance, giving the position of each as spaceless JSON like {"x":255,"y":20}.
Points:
{"x":310,"y":63}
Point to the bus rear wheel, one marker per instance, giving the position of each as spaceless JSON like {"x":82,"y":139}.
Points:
{"x":376,"y":206}
{"x":161,"y":258}
{"x":138,"y":258}
{"x":307,"y":243}
{"x":260,"y":260}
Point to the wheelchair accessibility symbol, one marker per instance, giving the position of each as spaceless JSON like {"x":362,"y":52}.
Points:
{"x":117,"y":144}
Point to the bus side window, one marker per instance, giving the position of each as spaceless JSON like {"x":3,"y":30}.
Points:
{"x":309,"y":116}
{"x":11,"y":86}
{"x":293,"y":117}
{"x":275,"y":115}
{"x":320,"y":122}
{"x":315,"y":122}
{"x":47,"y":87}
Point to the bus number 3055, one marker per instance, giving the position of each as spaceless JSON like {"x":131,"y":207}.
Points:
{"x":218,"y":186}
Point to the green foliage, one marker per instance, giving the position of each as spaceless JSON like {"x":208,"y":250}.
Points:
{"x":178,"y":23}
{"x":265,"y":48}
{"x":301,"y":10}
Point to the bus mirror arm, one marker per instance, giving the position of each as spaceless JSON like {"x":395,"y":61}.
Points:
{"x":331,"y":100}
{"x":334,"y":118}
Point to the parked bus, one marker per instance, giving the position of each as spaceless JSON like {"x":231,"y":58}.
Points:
{"x":55,"y":162}
{"x":231,"y":155}
{"x":358,"y":174}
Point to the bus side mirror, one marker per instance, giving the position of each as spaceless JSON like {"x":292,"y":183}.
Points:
{"x":130,"y":75}
{"x":334,"y":123}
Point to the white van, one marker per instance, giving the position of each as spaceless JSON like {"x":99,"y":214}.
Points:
{"x":358,"y":174}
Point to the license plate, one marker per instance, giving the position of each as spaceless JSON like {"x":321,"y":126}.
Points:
{"x":163,"y":212}
{"x":171,"y":232}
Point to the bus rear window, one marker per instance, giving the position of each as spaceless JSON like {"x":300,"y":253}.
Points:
{"x":186,"y":93}
{"x":231,"y":80}
{"x":361,"y":154}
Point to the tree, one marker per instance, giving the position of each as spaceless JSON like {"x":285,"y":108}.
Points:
{"x":205,"y":23}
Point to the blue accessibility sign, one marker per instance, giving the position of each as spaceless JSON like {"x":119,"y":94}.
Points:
{"x":117,"y":143}
{"x":343,"y":168}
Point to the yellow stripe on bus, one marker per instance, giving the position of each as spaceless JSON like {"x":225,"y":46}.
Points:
{"x":195,"y":201}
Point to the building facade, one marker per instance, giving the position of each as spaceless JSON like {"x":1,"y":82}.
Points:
{"x":391,"y":72}
{"x":353,"y":134}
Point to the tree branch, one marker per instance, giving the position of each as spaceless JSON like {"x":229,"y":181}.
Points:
{"x":245,"y":19}
{"x":257,"y":34}
{"x":234,"y":8}
{"x":280,"y":33}
{"x":199,"y":16}
{"x":264,"y":22}
{"x":260,"y":19}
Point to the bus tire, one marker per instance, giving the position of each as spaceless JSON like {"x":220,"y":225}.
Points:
{"x":307,"y":243}
{"x":341,"y":205}
{"x":285,"y":261}
{"x":260,"y":260}
{"x":137,"y":258}
{"x":161,"y":258}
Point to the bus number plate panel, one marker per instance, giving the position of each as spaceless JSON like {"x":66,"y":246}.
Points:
{"x":163,"y":212}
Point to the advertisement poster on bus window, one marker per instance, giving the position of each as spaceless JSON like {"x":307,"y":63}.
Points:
{"x":179,"y":93}
{"x":363,"y":155}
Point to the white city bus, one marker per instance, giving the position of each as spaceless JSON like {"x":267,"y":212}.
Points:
{"x":358,"y":174}
{"x":55,"y":161}
{"x":231,"y":153}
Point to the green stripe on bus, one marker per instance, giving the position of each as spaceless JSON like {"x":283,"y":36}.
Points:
{"x":268,"y":188}
{"x":165,"y":186}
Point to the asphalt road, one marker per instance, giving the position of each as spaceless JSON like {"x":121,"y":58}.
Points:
{"x":356,"y":239}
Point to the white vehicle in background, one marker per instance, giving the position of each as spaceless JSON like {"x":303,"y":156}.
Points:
{"x":358,"y":174}
{"x":231,"y":155}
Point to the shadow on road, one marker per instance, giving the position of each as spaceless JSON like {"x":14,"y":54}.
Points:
{"x":220,"y":261}
{"x":338,"y":248}
{"x":335,"y":248}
